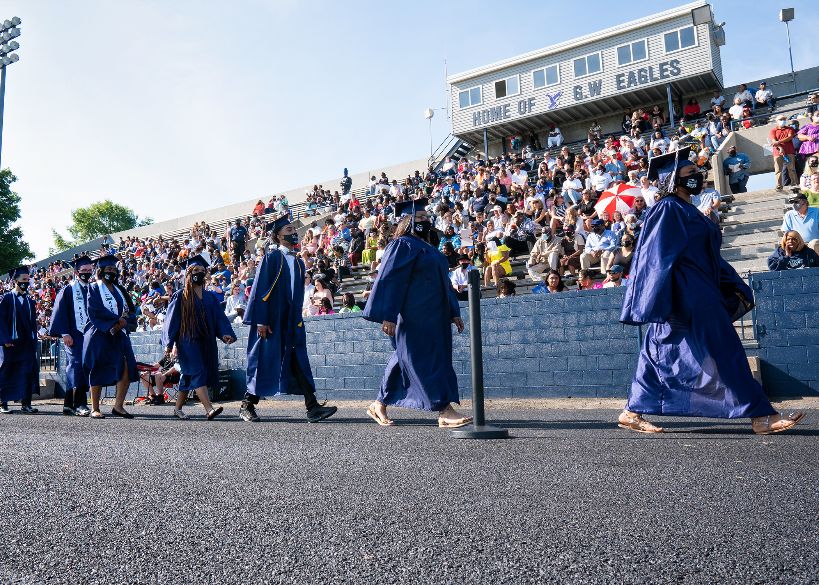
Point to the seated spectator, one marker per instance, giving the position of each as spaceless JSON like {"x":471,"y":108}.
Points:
{"x":639,"y":209}
{"x":803,"y":219}
{"x":448,"y":250}
{"x":235,"y":301}
{"x":545,"y":254}
{"x":460,"y":277}
{"x":659,"y":141}
{"x":348,"y":304}
{"x":812,"y":105}
{"x":600,"y":246}
{"x":585,"y":208}
{"x":497,"y":262}
{"x":595,"y":132}
{"x":450,"y":237}
{"x":586,"y":281}
{"x":708,"y":202}
{"x":325,"y":307}
{"x":648,"y":191}
{"x":736,"y":166}
{"x":810,"y":178}
{"x":691,"y":110}
{"x":793,"y":253}
{"x":717,"y":101}
{"x":519,"y":235}
{"x":735,"y":111}
{"x":506,"y":288}
{"x":553,"y":284}
{"x":764,"y":97}
{"x":259,"y":208}
{"x":809,"y":137}
{"x":555,"y":137}
{"x":615,"y":277}
{"x":624,"y":255}
{"x":744,"y":96}
{"x":657,"y":116}
{"x":164,"y":371}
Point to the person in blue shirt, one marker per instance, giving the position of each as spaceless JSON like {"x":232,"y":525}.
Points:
{"x":553,"y":284}
{"x":691,"y":361}
{"x":735,"y":167}
{"x":414,"y":303}
{"x":19,"y":368}
{"x":616,"y":168}
{"x":193,"y":323}
{"x":68,"y":320}
{"x":792,"y":253}
{"x":600,"y":246}
{"x":451,"y":237}
{"x":803,"y":219}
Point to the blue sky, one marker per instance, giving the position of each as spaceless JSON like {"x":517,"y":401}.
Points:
{"x":175,"y":106}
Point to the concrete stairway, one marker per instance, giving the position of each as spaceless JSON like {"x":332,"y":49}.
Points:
{"x":750,"y":230}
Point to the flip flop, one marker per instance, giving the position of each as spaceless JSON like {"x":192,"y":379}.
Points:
{"x":382,"y":421}
{"x":637,"y":423}
{"x":96,"y":414}
{"x":454,"y":424}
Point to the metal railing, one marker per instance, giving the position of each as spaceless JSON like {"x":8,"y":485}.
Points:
{"x":48,"y":352}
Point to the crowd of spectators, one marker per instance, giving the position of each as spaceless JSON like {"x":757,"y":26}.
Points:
{"x":487,"y":213}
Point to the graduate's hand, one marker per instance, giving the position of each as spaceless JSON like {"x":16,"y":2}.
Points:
{"x":263,"y":330}
{"x":459,"y":323}
{"x":228,"y":339}
{"x":68,"y":340}
{"x":8,"y":345}
{"x":388,"y":327}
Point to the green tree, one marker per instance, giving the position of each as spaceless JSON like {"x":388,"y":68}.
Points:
{"x":97,"y":220}
{"x":13,"y":250}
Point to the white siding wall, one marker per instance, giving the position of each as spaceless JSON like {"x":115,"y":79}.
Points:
{"x":694,"y":60}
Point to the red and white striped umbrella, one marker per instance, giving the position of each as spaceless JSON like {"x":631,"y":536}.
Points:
{"x":618,"y":198}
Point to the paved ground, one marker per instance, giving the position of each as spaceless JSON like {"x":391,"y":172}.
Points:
{"x":570,"y":499}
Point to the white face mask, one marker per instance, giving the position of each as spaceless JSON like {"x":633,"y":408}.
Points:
{"x":780,"y":123}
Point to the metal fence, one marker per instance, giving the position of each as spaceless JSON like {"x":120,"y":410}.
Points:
{"x":48,"y":351}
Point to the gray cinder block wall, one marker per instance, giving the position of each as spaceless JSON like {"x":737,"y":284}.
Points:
{"x":567,"y":344}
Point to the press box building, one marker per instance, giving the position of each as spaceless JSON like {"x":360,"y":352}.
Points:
{"x":667,"y":57}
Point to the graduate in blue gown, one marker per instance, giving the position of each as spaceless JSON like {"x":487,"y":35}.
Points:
{"x":107,"y":354}
{"x":19,"y":368}
{"x":277,"y":361}
{"x":692,"y":362}
{"x":415,"y":304}
{"x":194,"y":321}
{"x":68,"y":320}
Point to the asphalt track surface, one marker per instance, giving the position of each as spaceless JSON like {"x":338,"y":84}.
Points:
{"x":569,"y":499}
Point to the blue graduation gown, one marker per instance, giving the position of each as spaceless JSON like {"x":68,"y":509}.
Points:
{"x":413,"y":291}
{"x":106,"y":354}
{"x":198,"y":358}
{"x":692,"y":362}
{"x":63,"y":322}
{"x":271,"y":361}
{"x":19,"y":367}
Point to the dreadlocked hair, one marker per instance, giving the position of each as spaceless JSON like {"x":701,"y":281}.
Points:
{"x":192,"y":325}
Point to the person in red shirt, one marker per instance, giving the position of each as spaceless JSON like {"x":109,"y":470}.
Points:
{"x":691,"y":110}
{"x":781,"y":138}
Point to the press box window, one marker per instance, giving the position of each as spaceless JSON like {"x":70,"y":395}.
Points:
{"x":632,"y":53}
{"x":680,"y":39}
{"x":587,"y":65}
{"x":545,"y":77}
{"x":507,"y":87}
{"x":469,"y":97}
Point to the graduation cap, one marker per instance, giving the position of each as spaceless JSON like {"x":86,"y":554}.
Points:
{"x":403,"y":208}
{"x":105,"y":261}
{"x":197,"y":260}
{"x":83,"y":260}
{"x":19,"y":271}
{"x":277,"y":224}
{"x":663,"y":168}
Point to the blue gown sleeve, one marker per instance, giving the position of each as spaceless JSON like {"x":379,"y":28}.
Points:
{"x":63,"y":306}
{"x":5,"y":319}
{"x":170,"y":327}
{"x":664,"y":236}
{"x":221,"y":323}
{"x":390,"y":287}
{"x":737,"y":296}
{"x":268,"y":276}
{"x":98,"y":313}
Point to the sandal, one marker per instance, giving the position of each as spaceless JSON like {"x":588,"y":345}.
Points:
{"x":96,"y":414}
{"x":764,"y":426}
{"x":214,"y":412}
{"x":454,"y":423}
{"x":377,"y":417}
{"x":634,"y":422}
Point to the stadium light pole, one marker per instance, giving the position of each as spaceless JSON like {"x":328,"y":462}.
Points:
{"x":786,"y":15}
{"x":9,"y":30}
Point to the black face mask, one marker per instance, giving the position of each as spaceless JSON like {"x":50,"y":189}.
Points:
{"x":198,"y":278}
{"x":23,"y":285}
{"x":693,"y":183}
{"x":422,"y":228}
{"x":84,"y":277}
{"x":110,"y":277}
{"x":291,"y":238}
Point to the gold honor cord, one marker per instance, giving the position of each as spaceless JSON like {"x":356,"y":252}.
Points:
{"x":281,"y":266}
